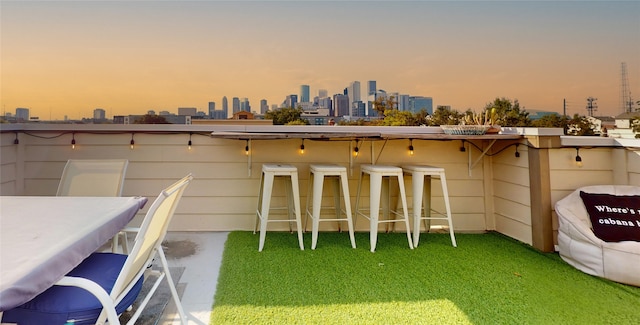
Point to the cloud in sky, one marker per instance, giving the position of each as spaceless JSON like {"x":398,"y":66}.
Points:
{"x":69,"y":57}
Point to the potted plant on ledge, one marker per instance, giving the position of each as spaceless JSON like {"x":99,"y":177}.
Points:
{"x":475,"y":124}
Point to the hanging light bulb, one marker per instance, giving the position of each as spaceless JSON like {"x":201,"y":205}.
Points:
{"x":73,"y":140}
{"x":16,"y":141}
{"x":578,"y":158}
{"x":462,"y":148}
{"x":302,"y":147}
{"x":246,"y":148}
{"x":189,"y":143}
{"x":356,"y":150}
{"x":517,"y":153}
{"x":410,"y":147}
{"x":132,"y":142}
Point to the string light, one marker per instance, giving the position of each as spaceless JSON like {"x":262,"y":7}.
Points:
{"x":132,"y":142}
{"x":16,"y":141}
{"x":189,"y":143}
{"x":411,"y":147}
{"x":73,"y":140}
{"x":462,"y":148}
{"x":578,"y":158}
{"x":246,"y":148}
{"x":302,"y":147}
{"x":517,"y":153}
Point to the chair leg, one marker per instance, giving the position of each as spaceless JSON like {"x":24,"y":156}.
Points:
{"x":403,"y":197}
{"x":290,"y":204}
{"x":296,"y":203}
{"x":356,"y":210}
{"x":174,"y":292}
{"x":264,"y":209}
{"x":347,"y":203}
{"x":417,"y":186}
{"x":375,"y":190}
{"x":318,"y":184}
{"x":445,"y":192}
{"x":335,"y":180}
{"x":308,"y":213}
{"x":255,"y":229}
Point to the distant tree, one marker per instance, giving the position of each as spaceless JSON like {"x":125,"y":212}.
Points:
{"x":384,"y":104}
{"x":151,"y":119}
{"x":443,"y":116}
{"x":580,"y":125}
{"x":394,"y":117}
{"x":298,"y":122}
{"x":283,"y":116}
{"x":551,"y":121}
{"x":508,"y":113}
{"x":635,"y":126}
{"x":358,"y":122}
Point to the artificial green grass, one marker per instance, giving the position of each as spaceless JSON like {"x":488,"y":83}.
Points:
{"x":487,"y":279}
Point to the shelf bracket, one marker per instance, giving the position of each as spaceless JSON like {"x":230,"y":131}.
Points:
{"x":484,"y":152}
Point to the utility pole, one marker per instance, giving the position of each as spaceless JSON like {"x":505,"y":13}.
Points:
{"x":626,"y":103}
{"x":591,"y":105}
{"x":564,"y":107}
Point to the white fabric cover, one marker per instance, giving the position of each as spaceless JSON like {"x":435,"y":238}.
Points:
{"x":578,"y":245}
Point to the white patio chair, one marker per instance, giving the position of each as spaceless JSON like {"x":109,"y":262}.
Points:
{"x":95,"y":177}
{"x":105,"y":284}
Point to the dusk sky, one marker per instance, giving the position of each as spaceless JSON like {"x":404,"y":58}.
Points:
{"x":66,"y":58}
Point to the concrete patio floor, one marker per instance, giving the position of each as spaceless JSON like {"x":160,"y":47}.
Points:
{"x":200,"y":254}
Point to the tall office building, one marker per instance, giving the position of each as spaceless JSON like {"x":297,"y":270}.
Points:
{"x":418,"y":103}
{"x":403,"y":102}
{"x":304,"y":94}
{"x":325,"y":102}
{"x":290,"y":102}
{"x":212,"y":108}
{"x":372,"y":87}
{"x":99,"y":114}
{"x":354,"y":91}
{"x":264,"y":107}
{"x":225,"y":106}
{"x":244,"y":105}
{"x":323,"y":93}
{"x":341,"y":106}
{"x":358,"y":109}
{"x":235,"y":104}
{"x":22,"y":114}
{"x":187,"y":111}
{"x":219,"y":115}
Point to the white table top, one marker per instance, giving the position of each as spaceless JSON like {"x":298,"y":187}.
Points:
{"x":42,"y":238}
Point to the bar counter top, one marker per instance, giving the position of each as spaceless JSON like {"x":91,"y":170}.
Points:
{"x":351,"y":132}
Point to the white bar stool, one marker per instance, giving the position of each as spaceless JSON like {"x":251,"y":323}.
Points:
{"x":338,"y":175}
{"x":379,"y":177}
{"x":422,"y":199}
{"x":269,"y":173}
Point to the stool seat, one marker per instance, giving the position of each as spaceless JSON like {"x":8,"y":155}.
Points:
{"x":379,"y":176}
{"x":423,"y":169}
{"x":279,"y":169}
{"x":422,"y":199}
{"x":318,"y":173}
{"x":269,"y":173}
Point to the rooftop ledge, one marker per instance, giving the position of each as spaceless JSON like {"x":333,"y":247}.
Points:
{"x":320,"y":132}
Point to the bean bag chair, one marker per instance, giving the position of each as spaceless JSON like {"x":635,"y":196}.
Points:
{"x":597,"y":250}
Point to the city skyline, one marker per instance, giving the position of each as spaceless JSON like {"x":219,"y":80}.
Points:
{"x":69,"y":58}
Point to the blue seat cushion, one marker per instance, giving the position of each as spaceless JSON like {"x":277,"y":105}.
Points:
{"x":60,"y":304}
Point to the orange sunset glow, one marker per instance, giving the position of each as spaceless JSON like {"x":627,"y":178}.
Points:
{"x":66,"y":58}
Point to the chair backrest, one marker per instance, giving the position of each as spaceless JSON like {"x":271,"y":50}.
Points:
{"x":93,"y":177}
{"x":150,"y":236}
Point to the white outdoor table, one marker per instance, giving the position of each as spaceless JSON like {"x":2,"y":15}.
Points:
{"x":42,"y":238}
